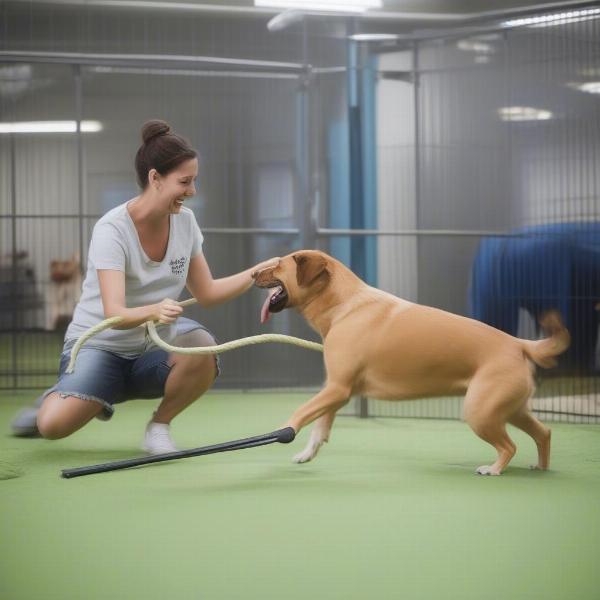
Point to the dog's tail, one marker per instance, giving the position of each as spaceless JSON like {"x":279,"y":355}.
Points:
{"x":543,"y":352}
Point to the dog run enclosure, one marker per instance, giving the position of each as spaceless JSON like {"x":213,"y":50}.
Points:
{"x":455,"y":168}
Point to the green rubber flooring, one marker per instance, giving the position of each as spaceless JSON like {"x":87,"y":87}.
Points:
{"x":390,"y":509}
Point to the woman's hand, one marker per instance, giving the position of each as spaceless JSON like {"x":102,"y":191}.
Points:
{"x":167,"y":311}
{"x":272,"y":262}
{"x":209,"y":291}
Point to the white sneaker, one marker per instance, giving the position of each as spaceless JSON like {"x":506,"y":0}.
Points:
{"x":157,"y":439}
{"x":24,"y":423}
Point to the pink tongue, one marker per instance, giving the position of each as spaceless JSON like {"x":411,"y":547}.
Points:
{"x":264,"y":311}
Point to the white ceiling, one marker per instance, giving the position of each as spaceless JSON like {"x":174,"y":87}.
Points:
{"x":397,"y":16}
{"x":393,"y":9}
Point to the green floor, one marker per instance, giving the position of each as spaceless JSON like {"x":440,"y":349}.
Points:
{"x":390,"y":509}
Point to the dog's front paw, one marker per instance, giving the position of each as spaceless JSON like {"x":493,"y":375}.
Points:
{"x":307,"y":454}
{"x":487,"y":470}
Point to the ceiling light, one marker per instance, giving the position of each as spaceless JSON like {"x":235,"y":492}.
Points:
{"x":523,"y":113}
{"x":374,"y":37}
{"x":324,"y":5}
{"x":50,"y":127}
{"x":475,"y":45}
{"x":591,"y":87}
{"x":554,"y":19}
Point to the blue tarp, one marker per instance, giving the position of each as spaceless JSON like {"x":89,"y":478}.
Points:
{"x":539,"y":268}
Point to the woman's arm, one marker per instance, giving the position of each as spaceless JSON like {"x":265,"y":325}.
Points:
{"x":209,"y":291}
{"x":112,"y":289}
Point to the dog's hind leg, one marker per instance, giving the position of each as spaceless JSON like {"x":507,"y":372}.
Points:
{"x":496,"y":436}
{"x":489,"y":402}
{"x":525,"y":421}
{"x":318,"y":436}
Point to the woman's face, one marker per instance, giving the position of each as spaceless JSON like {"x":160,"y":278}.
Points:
{"x":178,"y":185}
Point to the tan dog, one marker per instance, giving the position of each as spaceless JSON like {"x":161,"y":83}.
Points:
{"x":63,"y":291}
{"x":381,"y":346}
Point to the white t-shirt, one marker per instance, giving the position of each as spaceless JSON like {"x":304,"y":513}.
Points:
{"x":116,"y":245}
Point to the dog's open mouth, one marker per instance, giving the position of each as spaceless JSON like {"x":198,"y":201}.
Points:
{"x":275,"y":301}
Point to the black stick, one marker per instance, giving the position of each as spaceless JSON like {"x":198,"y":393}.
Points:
{"x":283,"y":436}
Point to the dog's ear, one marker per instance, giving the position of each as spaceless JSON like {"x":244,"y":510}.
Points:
{"x":308,"y":268}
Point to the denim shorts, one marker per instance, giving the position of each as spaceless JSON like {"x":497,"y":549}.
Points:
{"x":107,"y":378}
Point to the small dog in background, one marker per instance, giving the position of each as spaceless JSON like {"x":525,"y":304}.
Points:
{"x":64,"y":290}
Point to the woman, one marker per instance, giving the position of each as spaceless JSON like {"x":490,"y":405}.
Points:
{"x":142,"y":254}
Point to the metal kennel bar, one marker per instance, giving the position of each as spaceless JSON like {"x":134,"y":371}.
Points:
{"x":151,"y":61}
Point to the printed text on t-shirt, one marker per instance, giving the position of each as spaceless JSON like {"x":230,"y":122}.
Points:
{"x":178,"y":265}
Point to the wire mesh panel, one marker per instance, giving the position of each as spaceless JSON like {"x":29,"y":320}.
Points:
{"x":223,"y":92}
{"x":7,"y":294}
{"x":39,"y":192}
{"x":505,"y":137}
{"x":458,"y":159}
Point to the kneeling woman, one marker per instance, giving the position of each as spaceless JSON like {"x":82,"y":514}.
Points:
{"x":142,"y":254}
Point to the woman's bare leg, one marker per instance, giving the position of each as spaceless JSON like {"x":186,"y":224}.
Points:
{"x":59,"y":417}
{"x":189,"y":378}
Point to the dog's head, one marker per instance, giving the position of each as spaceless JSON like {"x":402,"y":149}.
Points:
{"x":296,"y":279}
{"x":64,"y":270}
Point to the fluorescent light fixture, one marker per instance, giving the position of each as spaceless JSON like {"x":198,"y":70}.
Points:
{"x":475,"y":45}
{"x":523,"y":113}
{"x":591,"y":87}
{"x":343,"y":6}
{"x":552,"y":20}
{"x":50,"y":127}
{"x":374,"y":37}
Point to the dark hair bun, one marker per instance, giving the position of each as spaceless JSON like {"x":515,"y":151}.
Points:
{"x":154,"y":128}
{"x":162,"y":149}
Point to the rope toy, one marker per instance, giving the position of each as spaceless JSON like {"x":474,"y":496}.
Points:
{"x":151,"y":328}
